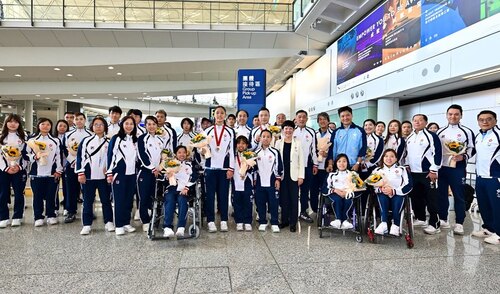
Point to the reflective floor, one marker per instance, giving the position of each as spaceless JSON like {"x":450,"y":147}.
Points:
{"x":57,"y":259}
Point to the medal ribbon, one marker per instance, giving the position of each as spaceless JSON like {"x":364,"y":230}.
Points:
{"x":218,"y":139}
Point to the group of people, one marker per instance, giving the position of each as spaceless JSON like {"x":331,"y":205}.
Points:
{"x":120,"y":158}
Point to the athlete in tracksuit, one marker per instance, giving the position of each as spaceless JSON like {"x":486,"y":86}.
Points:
{"x":242,"y":187}
{"x":319,"y":179}
{"x":91,"y":162}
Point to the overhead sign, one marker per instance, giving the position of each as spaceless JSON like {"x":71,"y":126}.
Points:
{"x":251,"y":91}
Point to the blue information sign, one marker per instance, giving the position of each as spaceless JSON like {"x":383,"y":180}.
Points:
{"x":251,"y":91}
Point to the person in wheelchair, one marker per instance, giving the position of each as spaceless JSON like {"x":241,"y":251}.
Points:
{"x":335,"y":187}
{"x":179,"y":194}
{"x":391,"y":194}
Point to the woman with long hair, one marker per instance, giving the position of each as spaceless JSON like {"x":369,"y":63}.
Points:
{"x":62,"y":127}
{"x":394,"y":139}
{"x":12,"y":169}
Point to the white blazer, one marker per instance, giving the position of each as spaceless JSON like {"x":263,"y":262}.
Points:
{"x":297,"y":167}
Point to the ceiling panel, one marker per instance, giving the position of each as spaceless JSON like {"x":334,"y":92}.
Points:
{"x":42,"y":38}
{"x":290,"y":40}
{"x":262,"y":40}
{"x":227,"y":76}
{"x":13,"y":38}
{"x":100,"y":38}
{"x":71,"y":38}
{"x":237,"y":40}
{"x":184,"y":39}
{"x":210,"y":76}
{"x":157,"y":39}
{"x":210,"y":39}
{"x":193,"y":77}
{"x":129,"y":38}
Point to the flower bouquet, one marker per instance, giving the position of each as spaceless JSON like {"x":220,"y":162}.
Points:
{"x":454,"y":148}
{"x":201,"y":142}
{"x":12,"y":154}
{"x":39,"y":148}
{"x":276,"y":132}
{"x":354,"y":184}
{"x":73,"y":148}
{"x":171,"y":167}
{"x":376,"y":179}
{"x":369,"y":154}
{"x":247,"y":161}
{"x":323,"y":146}
{"x":159,"y":131}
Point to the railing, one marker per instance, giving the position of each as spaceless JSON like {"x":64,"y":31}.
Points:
{"x":222,"y":15}
{"x":300,"y":9}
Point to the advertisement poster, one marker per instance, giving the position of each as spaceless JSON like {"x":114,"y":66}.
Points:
{"x":489,"y":8}
{"x":401,"y":28}
{"x":346,"y":57}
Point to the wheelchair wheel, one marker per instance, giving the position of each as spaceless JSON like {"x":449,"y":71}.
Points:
{"x":359,"y":238}
{"x":194,"y":231}
{"x":409,"y":223}
{"x":320,"y":212}
{"x":370,"y":218}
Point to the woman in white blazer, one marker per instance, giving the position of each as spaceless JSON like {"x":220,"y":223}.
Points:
{"x":293,"y":175}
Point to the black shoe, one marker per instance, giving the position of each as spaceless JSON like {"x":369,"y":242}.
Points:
{"x":62,"y":203}
{"x":306,"y":218}
{"x":293,"y":228}
{"x":283,"y":225}
{"x":80,"y":200}
{"x":94,"y":217}
{"x":70,"y":218}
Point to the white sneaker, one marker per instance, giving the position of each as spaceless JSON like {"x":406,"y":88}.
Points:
{"x":458,"y":230}
{"x":275,"y":229}
{"x":336,"y":224}
{"x":223,"y":226}
{"x":394,"y":230}
{"x":431,"y":230}
{"x":262,"y":228}
{"x":39,"y":223}
{"x":65,"y":213}
{"x":52,"y":221}
{"x":109,"y":226}
{"x":16,"y":222}
{"x":493,"y":239}
{"x":482,"y":233}
{"x":145,"y":227}
{"x":180,"y":232}
{"x":239,"y":227}
{"x":120,"y":231}
{"x":137,"y":215}
{"x":444,"y":224}
{"x":86,"y":230}
{"x":4,"y":224}
{"x":248,"y":227}
{"x":381,"y":229}
{"x":346,"y":225}
{"x":129,"y":229}
{"x":56,"y":212}
{"x":211,"y":227}
{"x":419,"y":223}
{"x":167,"y":232}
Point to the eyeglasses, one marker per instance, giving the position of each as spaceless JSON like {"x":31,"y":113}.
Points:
{"x":485,"y":120}
{"x":98,"y":125}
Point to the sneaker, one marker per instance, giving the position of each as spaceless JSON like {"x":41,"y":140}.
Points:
{"x":65,"y":213}
{"x":275,"y":229}
{"x":303,"y":216}
{"x":16,"y":222}
{"x":109,"y":226}
{"x":137,"y":215}
{"x":56,"y":212}
{"x":483,"y":233}
{"x":444,"y":224}
{"x":129,"y":229}
{"x":248,"y":227}
{"x":39,"y":223}
{"x":239,"y":227}
{"x":86,"y":230}
{"x":381,"y":229}
{"x":52,"y":221}
{"x":346,"y":225}
{"x":145,"y":227}
{"x":493,"y":239}
{"x":336,"y":224}
{"x":263,"y":227}
{"x":223,"y":226}
{"x":180,"y":232}
{"x":4,"y":224}
{"x":419,"y":223}
{"x":70,"y":218}
{"x":394,"y":230}
{"x":120,"y":231}
{"x":431,"y":230}
{"x":458,"y":229}
{"x":167,"y":232}
{"x":211,"y":227}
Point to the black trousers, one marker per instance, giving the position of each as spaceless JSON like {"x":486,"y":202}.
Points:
{"x":289,"y":201}
{"x":424,"y":194}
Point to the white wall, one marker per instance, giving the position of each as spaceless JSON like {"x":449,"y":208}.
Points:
{"x":280,"y":101}
{"x":313,"y":83}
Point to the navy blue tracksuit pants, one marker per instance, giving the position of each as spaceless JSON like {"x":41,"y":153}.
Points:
{"x":304,"y":189}
{"x":341,"y":206}
{"x":173,"y":197}
{"x":454,"y":178}
{"x":88,"y":201}
{"x":73,"y":189}
{"x":44,"y":188}
{"x":18,"y":183}
{"x":267,"y":196}
{"x":395,"y":202}
{"x":488,"y":199}
{"x":242,"y":203}
{"x":216,"y":182}
{"x":146,"y":183}
{"x":123,"y":189}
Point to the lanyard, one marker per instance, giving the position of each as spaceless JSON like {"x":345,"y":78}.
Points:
{"x":218,"y":139}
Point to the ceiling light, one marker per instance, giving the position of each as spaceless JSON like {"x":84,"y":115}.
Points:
{"x":483,"y":74}
{"x":69,"y":75}
{"x":118,"y":73}
{"x":1,"y":69}
{"x":37,"y":95}
{"x":125,"y":98}
{"x":18,"y":75}
{"x":110,"y":67}
{"x":82,"y":97}
{"x":57,"y":69}
{"x":47,"y":98}
{"x":144,"y":93}
{"x":116,"y":97}
{"x":9,"y":106}
{"x":74,"y":95}
{"x":110,"y":94}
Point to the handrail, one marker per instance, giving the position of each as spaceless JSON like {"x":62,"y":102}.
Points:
{"x":224,"y":15}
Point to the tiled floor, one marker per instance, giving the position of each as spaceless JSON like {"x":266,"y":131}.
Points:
{"x":58,"y":260}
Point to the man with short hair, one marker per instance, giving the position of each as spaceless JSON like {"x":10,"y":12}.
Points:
{"x":406,"y":128}
{"x":488,"y":176}
{"x":169,"y":136}
{"x":263,"y":118}
{"x":453,"y":168}
{"x":231,"y":120}
{"x":69,"y":116}
{"x":205,"y":123}
{"x":423,"y":158}
{"x":280,"y":119}
{"x":324,"y":133}
{"x":115,"y":112}
{"x":256,"y":121}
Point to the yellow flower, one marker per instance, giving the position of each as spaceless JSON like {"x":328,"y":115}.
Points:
{"x":11,"y":151}
{"x":198,"y":138}
{"x":159,"y":131}
{"x":274,"y":129}
{"x":74,"y":147}
{"x":41,"y":145}
{"x":453,"y":145}
{"x":172,"y":163}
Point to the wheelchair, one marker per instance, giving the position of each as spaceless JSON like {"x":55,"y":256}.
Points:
{"x":326,"y":213}
{"x":155,"y":230}
{"x":372,"y":220}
